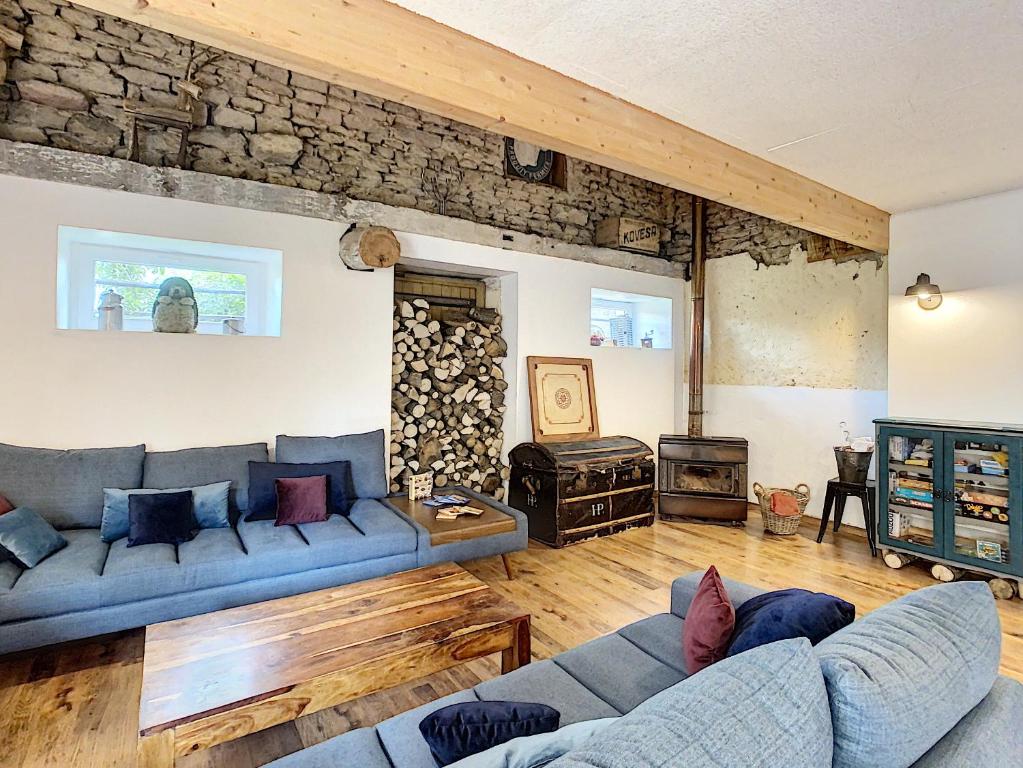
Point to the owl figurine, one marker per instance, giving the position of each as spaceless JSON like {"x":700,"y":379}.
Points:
{"x":175,"y":309}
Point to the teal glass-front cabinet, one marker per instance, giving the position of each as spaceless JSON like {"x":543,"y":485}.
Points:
{"x":953,"y":492}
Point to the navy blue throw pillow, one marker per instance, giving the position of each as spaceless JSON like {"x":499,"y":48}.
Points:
{"x":161,"y":518}
{"x":459,"y":730}
{"x":787,"y":614}
{"x":263,"y":490}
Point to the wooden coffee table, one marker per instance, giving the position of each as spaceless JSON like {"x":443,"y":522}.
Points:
{"x":466,"y":527}
{"x":220,"y":676}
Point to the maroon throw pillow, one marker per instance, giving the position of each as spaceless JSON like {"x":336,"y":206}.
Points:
{"x":709,"y":624}
{"x":301,"y":499}
{"x":5,"y":505}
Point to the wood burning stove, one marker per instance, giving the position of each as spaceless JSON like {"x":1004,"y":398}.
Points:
{"x":702,"y":477}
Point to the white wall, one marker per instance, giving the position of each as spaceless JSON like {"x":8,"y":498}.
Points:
{"x":328,"y":373}
{"x":792,"y":431}
{"x":963,"y":360}
{"x":793,"y":350}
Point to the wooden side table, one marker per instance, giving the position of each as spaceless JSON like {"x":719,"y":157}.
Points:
{"x":837,"y":493}
{"x":491,"y":522}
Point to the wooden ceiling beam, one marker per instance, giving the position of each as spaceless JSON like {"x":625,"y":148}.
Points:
{"x":383,"y":49}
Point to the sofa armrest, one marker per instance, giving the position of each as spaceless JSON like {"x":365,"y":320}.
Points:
{"x":683,"y":589}
{"x":990,"y":734}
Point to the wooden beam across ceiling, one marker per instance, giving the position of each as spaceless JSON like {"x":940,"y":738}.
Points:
{"x":383,"y":49}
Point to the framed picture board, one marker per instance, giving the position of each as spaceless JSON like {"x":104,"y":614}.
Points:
{"x":564,"y":406}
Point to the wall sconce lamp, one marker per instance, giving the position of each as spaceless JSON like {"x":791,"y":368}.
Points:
{"x":928,"y":295}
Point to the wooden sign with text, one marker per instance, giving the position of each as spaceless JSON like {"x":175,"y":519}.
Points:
{"x":629,"y":235}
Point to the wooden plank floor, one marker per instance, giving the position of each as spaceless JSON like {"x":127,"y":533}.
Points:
{"x":77,"y":705}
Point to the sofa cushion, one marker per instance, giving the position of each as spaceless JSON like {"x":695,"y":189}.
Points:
{"x":201,"y":466}
{"x":787,"y":614}
{"x":536,"y":751}
{"x":400,"y":735}
{"x":683,"y":590}
{"x":161,"y":518}
{"x":282,"y":546}
{"x":709,"y":623}
{"x":370,"y":531}
{"x":761,"y":709}
{"x":66,"y":487}
{"x":457,"y":731}
{"x":67,"y":580}
{"x":26,"y":538}
{"x":216,"y":557}
{"x":209,"y":503}
{"x":660,"y":636}
{"x":301,"y":500}
{"x":365,"y":452}
{"x":263,"y":489}
{"x":139,"y":573}
{"x":547,"y":683}
{"x":355,"y":749}
{"x":900,"y":678}
{"x":617,"y":671}
{"x":9,"y":573}
{"x":987,"y":736}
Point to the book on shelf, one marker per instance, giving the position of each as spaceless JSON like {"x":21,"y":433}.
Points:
{"x":915,"y":503}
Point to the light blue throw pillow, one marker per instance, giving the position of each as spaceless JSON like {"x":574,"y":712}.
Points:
{"x":900,"y":678}
{"x":27,"y":538}
{"x":764,"y":708}
{"x":209,"y":502}
{"x":535,"y":751}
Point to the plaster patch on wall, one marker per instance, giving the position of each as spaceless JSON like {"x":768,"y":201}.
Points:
{"x":797,"y":324}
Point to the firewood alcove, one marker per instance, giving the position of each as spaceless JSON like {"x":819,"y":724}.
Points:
{"x":448,"y":397}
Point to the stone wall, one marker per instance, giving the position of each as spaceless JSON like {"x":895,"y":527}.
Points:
{"x":65,"y":88}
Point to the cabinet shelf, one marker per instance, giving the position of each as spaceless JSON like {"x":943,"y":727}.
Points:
{"x":901,"y":466}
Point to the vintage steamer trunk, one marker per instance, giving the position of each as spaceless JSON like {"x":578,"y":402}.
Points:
{"x":578,"y":490}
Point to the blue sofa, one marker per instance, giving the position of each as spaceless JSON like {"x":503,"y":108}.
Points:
{"x":908,"y":685}
{"x":91,"y":587}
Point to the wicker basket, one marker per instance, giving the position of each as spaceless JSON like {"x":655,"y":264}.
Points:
{"x":783,"y":526}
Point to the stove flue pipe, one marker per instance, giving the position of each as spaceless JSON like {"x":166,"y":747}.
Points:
{"x":698,"y":275}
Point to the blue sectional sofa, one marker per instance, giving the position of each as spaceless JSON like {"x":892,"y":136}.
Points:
{"x":909,"y":685}
{"x":91,"y":587}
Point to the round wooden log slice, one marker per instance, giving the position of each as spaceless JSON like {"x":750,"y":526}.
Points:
{"x":370,"y":248}
{"x":1002,"y":589}
{"x":897,"y":559}
{"x":946,"y":573}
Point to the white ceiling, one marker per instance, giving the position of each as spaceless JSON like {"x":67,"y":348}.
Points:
{"x":901,"y":103}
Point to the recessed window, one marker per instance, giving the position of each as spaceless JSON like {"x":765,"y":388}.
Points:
{"x":235,"y":290}
{"x":619,"y":319}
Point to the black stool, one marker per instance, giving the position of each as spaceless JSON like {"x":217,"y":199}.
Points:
{"x":838,"y":492}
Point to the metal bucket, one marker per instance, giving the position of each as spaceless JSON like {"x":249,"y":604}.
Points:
{"x":852,"y":465}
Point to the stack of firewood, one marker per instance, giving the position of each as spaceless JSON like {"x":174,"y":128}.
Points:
{"x":447,"y":406}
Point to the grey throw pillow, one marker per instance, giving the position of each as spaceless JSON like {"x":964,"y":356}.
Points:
{"x":365,"y":451}
{"x":209,"y":502}
{"x":27,"y":539}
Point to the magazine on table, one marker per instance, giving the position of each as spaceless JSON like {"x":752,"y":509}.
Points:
{"x":450,"y":500}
